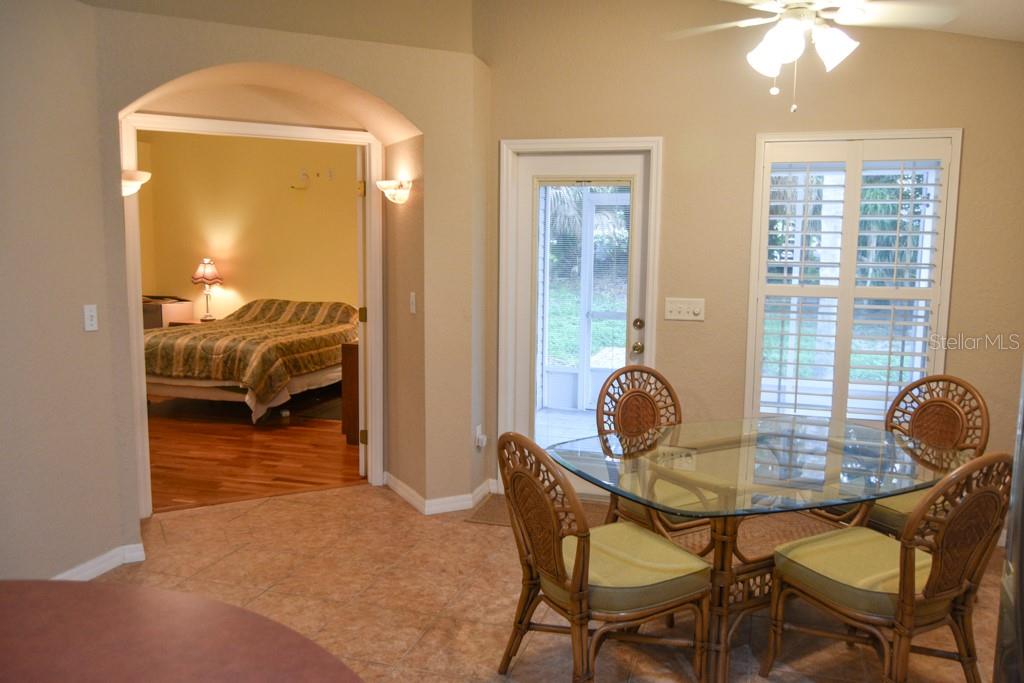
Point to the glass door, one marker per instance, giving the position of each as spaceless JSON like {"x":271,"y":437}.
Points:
{"x":583,"y":307}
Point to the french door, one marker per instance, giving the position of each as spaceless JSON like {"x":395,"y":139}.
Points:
{"x":580,"y":232}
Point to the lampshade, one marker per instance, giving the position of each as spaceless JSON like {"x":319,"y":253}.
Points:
{"x":397,"y":191}
{"x":206,"y":274}
{"x":132,"y":181}
{"x":832,"y":45}
{"x":763,"y":61}
{"x":785,"y":41}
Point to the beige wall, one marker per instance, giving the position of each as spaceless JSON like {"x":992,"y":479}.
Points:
{"x":65,"y":485}
{"x":409,"y":79}
{"x":232,"y":199}
{"x":618,"y":76}
{"x":439,"y":24}
{"x":69,"y":479}
{"x":403,"y":255}
{"x":68,"y":472}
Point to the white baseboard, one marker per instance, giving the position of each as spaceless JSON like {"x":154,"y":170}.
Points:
{"x":436,"y":506}
{"x":407,"y":493}
{"x":115,"y":557}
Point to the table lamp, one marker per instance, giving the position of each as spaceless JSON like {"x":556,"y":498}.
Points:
{"x":206,"y":274}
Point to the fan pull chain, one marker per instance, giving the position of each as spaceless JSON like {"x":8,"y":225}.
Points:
{"x":792,"y":106}
{"x":774,"y":90}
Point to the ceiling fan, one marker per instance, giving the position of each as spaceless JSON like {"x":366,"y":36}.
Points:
{"x":793,"y":20}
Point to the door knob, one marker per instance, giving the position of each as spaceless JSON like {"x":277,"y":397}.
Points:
{"x":638,"y":323}
{"x":638,"y":347}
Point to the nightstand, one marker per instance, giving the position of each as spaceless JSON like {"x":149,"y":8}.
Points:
{"x":176,"y":323}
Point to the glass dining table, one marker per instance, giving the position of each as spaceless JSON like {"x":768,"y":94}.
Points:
{"x":730,"y":471}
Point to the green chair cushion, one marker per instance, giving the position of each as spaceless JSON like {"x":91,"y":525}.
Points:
{"x":667,"y":493}
{"x":632,"y":568}
{"x":857,"y":568}
{"x":891,"y":513}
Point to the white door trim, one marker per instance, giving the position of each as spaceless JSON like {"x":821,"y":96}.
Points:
{"x":371,"y":290}
{"x":510,"y":383}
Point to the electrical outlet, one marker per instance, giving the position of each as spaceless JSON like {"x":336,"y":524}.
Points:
{"x":684,"y":309}
{"x":481,"y":438}
{"x":412,"y":302}
{"x":90,"y":320}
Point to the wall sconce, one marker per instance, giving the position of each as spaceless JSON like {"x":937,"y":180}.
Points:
{"x":396,"y":191}
{"x":132,"y":181}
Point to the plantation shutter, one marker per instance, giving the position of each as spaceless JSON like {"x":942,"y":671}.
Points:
{"x":849,"y":274}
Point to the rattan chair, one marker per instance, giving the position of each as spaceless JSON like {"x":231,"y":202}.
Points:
{"x":946,"y":422}
{"x":889,"y":590}
{"x":633,"y":403}
{"x":620,"y":575}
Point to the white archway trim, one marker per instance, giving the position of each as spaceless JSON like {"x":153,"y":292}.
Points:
{"x":371,"y":370}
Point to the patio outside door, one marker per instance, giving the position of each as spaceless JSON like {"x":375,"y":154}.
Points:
{"x":587,"y":304}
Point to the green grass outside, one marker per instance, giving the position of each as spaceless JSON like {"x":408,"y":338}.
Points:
{"x":563,"y":335}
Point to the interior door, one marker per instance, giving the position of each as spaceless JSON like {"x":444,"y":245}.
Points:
{"x":584,"y":218}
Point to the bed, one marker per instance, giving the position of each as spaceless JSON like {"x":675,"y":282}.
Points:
{"x":263,"y":353}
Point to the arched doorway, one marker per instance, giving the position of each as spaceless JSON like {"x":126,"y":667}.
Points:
{"x":284,"y":102}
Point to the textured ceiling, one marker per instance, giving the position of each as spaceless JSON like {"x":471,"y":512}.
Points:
{"x":989,"y":18}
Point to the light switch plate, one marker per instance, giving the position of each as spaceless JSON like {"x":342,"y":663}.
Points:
{"x":684,"y":309}
{"x":90,"y":320}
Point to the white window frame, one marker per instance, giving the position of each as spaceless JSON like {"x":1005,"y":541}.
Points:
{"x":846,"y":287}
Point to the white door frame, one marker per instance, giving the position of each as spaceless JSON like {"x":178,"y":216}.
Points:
{"x":516,"y":386}
{"x":371,"y":366}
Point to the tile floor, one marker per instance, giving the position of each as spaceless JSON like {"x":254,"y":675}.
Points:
{"x":403,"y":597}
{"x":551,"y":426}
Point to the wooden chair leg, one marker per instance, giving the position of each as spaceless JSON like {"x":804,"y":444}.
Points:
{"x":775,"y":628}
{"x":582,"y":669}
{"x":529,"y":598}
{"x":701,"y":623}
{"x":963,"y":632}
{"x":596,"y":641}
{"x":900,"y":659}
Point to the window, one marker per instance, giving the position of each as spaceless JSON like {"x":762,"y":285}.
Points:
{"x":852,"y":249}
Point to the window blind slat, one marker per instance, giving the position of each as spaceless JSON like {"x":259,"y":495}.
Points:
{"x":893,"y":275}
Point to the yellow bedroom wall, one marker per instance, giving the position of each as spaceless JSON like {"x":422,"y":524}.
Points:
{"x":232,"y":199}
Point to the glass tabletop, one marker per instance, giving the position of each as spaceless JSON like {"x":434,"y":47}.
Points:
{"x":756,"y":465}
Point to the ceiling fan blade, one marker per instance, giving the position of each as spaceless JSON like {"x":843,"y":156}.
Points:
{"x":701,"y":30}
{"x":921,"y":14}
{"x":773,"y":6}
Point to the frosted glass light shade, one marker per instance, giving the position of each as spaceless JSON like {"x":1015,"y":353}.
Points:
{"x":763,"y":62}
{"x":132,"y":181}
{"x":785,"y":41}
{"x":397,"y":191}
{"x":832,"y":45}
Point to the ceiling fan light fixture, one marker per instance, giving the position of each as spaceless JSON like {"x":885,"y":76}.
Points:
{"x":851,"y":13}
{"x":763,"y":61}
{"x":785,"y":41}
{"x":832,"y":45}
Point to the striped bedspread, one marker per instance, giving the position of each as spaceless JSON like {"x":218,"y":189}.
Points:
{"x":261,"y":346}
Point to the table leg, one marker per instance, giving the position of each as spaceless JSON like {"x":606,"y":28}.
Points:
{"x":724,"y":532}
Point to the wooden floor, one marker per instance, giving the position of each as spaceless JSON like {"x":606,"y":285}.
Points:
{"x":198,"y":460}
